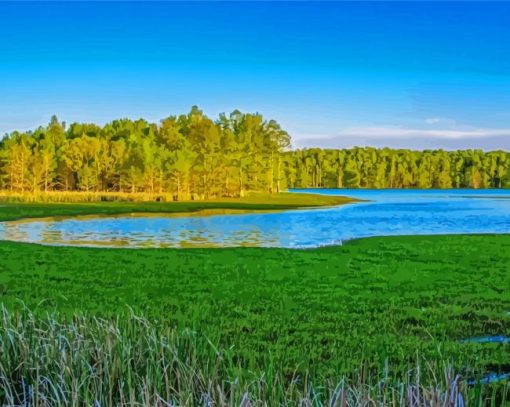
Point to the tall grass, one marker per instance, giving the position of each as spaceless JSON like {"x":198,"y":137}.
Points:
{"x":57,"y":360}
{"x":253,"y":197}
{"x":79,"y":197}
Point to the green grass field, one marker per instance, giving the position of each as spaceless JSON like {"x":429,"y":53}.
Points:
{"x":370,"y":308}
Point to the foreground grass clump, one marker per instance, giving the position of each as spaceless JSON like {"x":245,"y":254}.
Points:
{"x":51,"y":360}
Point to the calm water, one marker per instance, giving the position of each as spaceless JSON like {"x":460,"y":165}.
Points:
{"x":395,"y":212}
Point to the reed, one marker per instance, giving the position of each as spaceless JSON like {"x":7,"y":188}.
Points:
{"x":79,"y":197}
{"x":289,"y":200}
{"x":53,"y":360}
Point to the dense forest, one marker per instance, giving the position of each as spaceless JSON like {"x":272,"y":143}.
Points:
{"x":194,"y":157}
{"x":389,"y":168}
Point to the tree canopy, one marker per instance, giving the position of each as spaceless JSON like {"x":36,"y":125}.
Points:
{"x":195,"y":157}
{"x":390,"y":168}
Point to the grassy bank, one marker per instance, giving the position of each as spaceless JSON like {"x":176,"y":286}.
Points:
{"x":13,"y":209}
{"x":315,"y":314}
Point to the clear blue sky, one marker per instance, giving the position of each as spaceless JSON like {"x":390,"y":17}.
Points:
{"x":404,"y":74}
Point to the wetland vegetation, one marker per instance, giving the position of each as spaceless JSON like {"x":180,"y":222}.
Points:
{"x":270,"y":325}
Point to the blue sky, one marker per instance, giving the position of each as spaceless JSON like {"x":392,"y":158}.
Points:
{"x":402,"y":74}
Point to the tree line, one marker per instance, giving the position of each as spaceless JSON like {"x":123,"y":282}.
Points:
{"x":390,"y":168}
{"x":189,"y":156}
{"x":194,"y":157}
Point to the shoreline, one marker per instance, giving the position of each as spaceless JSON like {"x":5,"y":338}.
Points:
{"x":255,"y":203}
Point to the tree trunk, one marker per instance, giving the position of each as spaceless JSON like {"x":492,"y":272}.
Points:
{"x":271,"y":185}
{"x":241,"y":189}
{"x":278,"y":176}
{"x":45,"y":178}
{"x":339,"y":179}
{"x":22,"y":174}
{"x":226,"y":183}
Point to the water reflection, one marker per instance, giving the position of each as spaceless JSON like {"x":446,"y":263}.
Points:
{"x":488,"y":339}
{"x":490,"y":378}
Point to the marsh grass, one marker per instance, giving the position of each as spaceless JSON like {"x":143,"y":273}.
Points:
{"x":15,"y":206}
{"x":259,"y":198}
{"x":80,"y":360}
{"x":78,"y":197}
{"x":381,"y":318}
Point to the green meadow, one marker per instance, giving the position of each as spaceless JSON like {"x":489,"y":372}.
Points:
{"x":374,"y":309}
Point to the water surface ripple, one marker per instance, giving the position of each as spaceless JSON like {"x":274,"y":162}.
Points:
{"x":386,"y":212}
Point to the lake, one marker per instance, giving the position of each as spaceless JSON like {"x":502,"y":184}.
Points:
{"x":384,"y":213}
